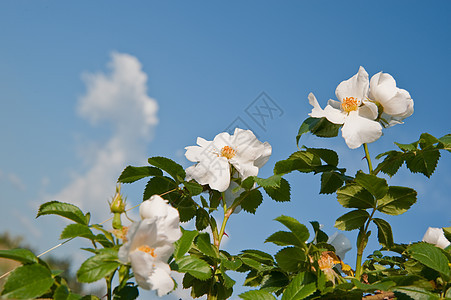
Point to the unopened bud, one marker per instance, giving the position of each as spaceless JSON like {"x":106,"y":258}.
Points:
{"x":118,"y":204}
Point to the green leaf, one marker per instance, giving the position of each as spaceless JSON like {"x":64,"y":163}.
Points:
{"x":397,"y":200}
{"x":158,"y":185}
{"x":126,"y":293}
{"x":61,"y":293}
{"x":447,"y":232}
{"x":184,"y":243}
{"x":330,"y":182}
{"x":430,"y":256}
{"x":171,"y":167}
{"x":256,"y":295}
{"x":427,"y":140}
{"x":251,"y":200}
{"x":290,"y":259}
{"x":22,"y":255}
{"x":231,"y":263}
{"x":259,"y":256}
{"x":376,"y":186}
{"x":203,"y":243}
{"x":284,"y":238}
{"x":194,"y":266}
{"x":408,"y":147}
{"x":275,"y":281}
{"x":321,"y":236}
{"x":187,"y":209}
{"x":416,"y":293}
{"x":272,"y":182}
{"x":77,"y":230}
{"x":384,"y":233}
{"x":301,"y":161}
{"x":202,"y":219}
{"x":352,"y":220}
{"x":228,"y":282}
{"x":392,"y":162}
{"x":193,"y":188}
{"x":98,"y":266}
{"x":355,"y":196}
{"x":330,"y":157}
{"x":298,"y":229}
{"x":300,"y":287}
{"x":423,"y":162}
{"x":28,"y":281}
{"x":281,"y":193}
{"x":66,"y":210}
{"x":383,"y":286}
{"x":318,"y":126}
{"x":132,"y":174}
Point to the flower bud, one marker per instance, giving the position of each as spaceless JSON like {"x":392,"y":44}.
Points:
{"x":118,"y":204}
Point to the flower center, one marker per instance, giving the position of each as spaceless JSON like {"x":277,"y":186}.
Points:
{"x":228,"y":152}
{"x":147,"y":249}
{"x":349,"y":104}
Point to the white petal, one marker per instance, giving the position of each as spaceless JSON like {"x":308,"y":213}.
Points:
{"x":382,"y":88}
{"x":230,"y":195}
{"x":155,"y":206}
{"x":317,"y":111}
{"x":221,"y":140}
{"x":435,"y":236}
{"x":196,"y":153}
{"x":220,"y":174}
{"x":264,"y":157}
{"x":336,"y":116}
{"x":399,"y":104}
{"x":341,"y":244}
{"x":368,"y":110}
{"x":358,"y":130}
{"x":245,"y":168}
{"x":356,"y":86}
{"x":145,"y":234}
{"x":143,"y":266}
{"x":161,"y":280}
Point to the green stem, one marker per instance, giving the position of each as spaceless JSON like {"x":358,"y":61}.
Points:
{"x":368,"y":158}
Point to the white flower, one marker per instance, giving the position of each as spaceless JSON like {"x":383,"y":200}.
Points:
{"x":150,"y":244}
{"x":341,"y":244}
{"x":353,"y":111}
{"x":435,"y":236}
{"x":166,"y":216}
{"x":214,"y":159}
{"x":395,"y":102}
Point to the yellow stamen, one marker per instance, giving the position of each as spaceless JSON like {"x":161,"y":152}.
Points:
{"x":328,"y":260}
{"x":228,"y":152}
{"x":147,"y":249}
{"x":349,"y":104}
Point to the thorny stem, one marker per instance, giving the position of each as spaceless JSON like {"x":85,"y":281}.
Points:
{"x":363,"y":240}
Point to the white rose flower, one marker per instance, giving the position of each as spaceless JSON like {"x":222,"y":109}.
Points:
{"x":150,"y":244}
{"x":353,"y":111}
{"x":214,"y":159}
{"x":435,"y":236}
{"x":395,"y":102}
{"x":166,"y":216}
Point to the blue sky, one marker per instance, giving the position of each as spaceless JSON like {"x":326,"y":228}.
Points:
{"x":200,"y":65}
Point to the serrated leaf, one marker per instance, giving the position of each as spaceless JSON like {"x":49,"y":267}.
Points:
{"x":407,"y":147}
{"x":301,"y":161}
{"x":298,"y":229}
{"x":275,"y":281}
{"x":427,"y":140}
{"x":355,"y":196}
{"x":194,"y":266}
{"x":228,"y":282}
{"x":231,"y":263}
{"x":256,"y":295}
{"x":62,"y":209}
{"x":184,"y":243}
{"x":21,"y":255}
{"x":126,"y":293}
{"x":77,"y":230}
{"x":397,"y":200}
{"x":447,"y":233}
{"x":391,"y":164}
{"x":203,"y":243}
{"x":321,"y":236}
{"x":423,"y":162}
{"x":98,"y":266}
{"x":300,"y":287}
{"x":330,"y":157}
{"x":430,"y":256}
{"x":416,"y":293}
{"x":132,"y":174}
{"x":284,"y":238}
{"x":290,"y":259}
{"x":193,"y":188}
{"x":202,"y":219}
{"x":171,"y":167}
{"x":259,"y":256}
{"x":270,"y":182}
{"x":281,"y":193}
{"x":378,"y":187}
{"x":61,"y":293}
{"x":158,"y":185}
{"x":383,"y":286}
{"x":318,"y":126}
{"x":28,"y":281}
{"x":330,"y":182}
{"x":384,"y":232}
{"x":251,"y":200}
{"x":352,"y":220}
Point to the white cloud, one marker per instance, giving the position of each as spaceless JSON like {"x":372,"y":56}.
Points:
{"x":14,"y":180}
{"x":119,"y":99}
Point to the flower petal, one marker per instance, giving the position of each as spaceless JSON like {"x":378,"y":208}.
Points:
{"x":334,"y":115}
{"x":317,"y":111}
{"x":368,"y":110}
{"x":399,"y":104}
{"x":356,"y":86}
{"x":161,"y":280}
{"x":382,"y":88}
{"x":264,"y":157}
{"x":358,"y":130}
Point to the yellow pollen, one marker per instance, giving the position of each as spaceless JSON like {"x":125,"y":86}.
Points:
{"x":147,"y":249}
{"x":349,"y":104}
{"x":227,"y":152}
